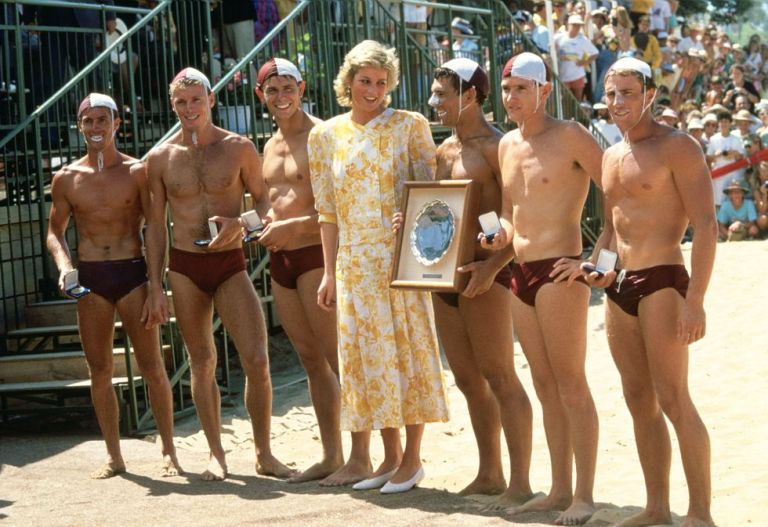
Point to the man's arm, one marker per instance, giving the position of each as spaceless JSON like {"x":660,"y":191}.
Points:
{"x":156,"y":239}
{"x":692,"y":180}
{"x":606,"y":240}
{"x":57,"y":225}
{"x":505,"y":234}
{"x":587,"y":151}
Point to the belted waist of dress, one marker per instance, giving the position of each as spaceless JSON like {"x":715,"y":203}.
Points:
{"x":365,"y":236}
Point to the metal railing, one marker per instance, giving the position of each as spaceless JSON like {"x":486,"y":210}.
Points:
{"x":36,"y":138}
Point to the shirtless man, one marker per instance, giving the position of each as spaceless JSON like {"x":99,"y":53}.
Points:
{"x":202,"y":173}
{"x":546,"y":166}
{"x":106,"y":192}
{"x":475,"y":327}
{"x":292,"y":235}
{"x":655,"y":182}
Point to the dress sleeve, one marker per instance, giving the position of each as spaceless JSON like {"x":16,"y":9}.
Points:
{"x":421,"y":150}
{"x":321,"y":175}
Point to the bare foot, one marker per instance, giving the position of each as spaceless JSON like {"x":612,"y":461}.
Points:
{"x":216,"y":471}
{"x":484,"y":486}
{"x":268,"y":465}
{"x":317,"y":471}
{"x":508,"y":501}
{"x":351,"y":472}
{"x":542,"y":503}
{"x":171,"y":466}
{"x":578,"y":513}
{"x":646,"y":517}
{"x":691,"y":521}
{"x":108,"y":470}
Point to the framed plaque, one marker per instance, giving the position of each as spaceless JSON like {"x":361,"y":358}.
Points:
{"x":438,"y":235}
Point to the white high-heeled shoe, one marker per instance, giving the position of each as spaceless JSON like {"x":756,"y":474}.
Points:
{"x":374,"y":483}
{"x":405,"y":486}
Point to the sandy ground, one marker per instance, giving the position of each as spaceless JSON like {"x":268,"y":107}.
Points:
{"x":44,"y":477}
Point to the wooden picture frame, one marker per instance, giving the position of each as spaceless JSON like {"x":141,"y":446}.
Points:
{"x":463,"y":198}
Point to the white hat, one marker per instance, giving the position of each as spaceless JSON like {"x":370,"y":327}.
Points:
{"x":669,"y":112}
{"x":632,"y":64}
{"x":463,"y":25}
{"x":710,"y":117}
{"x":575,"y":19}
{"x":695,"y":124}
{"x":599,"y":106}
{"x":464,"y":68}
{"x":193,"y":74}
{"x":470,"y":72}
{"x":94,"y":100}
{"x":526,"y":65}
{"x":279,"y":67}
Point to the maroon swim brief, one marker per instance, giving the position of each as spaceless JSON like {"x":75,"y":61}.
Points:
{"x":112,"y":279}
{"x":207,"y":270}
{"x":529,"y":277}
{"x":636,"y":285}
{"x":287,"y":266}
{"x":503,"y":277}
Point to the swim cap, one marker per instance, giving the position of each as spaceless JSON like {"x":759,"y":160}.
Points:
{"x":95,"y":100}
{"x":470,"y":72}
{"x":526,"y":66}
{"x":193,"y":74}
{"x":274,"y":67}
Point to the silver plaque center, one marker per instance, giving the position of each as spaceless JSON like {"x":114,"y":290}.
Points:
{"x":432,"y":232}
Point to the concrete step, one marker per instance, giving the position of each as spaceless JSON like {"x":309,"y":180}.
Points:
{"x":61,"y":312}
{"x":56,"y":366}
{"x":57,"y":386}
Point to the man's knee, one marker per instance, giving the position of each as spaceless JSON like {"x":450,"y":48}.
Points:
{"x":202,"y":362}
{"x":153,"y":371}
{"x":574,"y":392}
{"x":674,"y":402}
{"x":471,"y":385}
{"x":255,"y":363}
{"x":641,"y":401}
{"x":503,"y":380}
{"x":102,"y":367}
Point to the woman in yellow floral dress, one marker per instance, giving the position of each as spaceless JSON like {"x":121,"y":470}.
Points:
{"x":390,"y":366}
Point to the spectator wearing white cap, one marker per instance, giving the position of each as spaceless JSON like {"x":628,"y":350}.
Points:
{"x":574,"y":54}
{"x":710,"y":125}
{"x":745,"y":123}
{"x":724,"y":148}
{"x":464,"y":47}
{"x":696,"y":129}
{"x":604,"y":123}
{"x":669,"y":117}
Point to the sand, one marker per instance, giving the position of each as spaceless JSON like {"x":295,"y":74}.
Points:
{"x":44,"y":477}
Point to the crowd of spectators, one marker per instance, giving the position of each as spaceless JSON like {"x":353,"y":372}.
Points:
{"x":708,"y":86}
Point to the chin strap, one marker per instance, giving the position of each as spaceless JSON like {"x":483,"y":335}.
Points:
{"x":645,"y":109}
{"x":521,"y":125}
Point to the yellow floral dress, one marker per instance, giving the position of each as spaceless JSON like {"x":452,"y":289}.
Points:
{"x":390,"y":365}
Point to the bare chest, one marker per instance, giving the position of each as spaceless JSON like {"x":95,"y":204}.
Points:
{"x":636,"y":173}
{"x":286,"y":164}
{"x":532,"y":170}
{"x":207,"y":170}
{"x":463,"y":162}
{"x":104,"y":194}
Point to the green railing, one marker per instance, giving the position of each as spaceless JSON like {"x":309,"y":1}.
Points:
{"x":36,"y":138}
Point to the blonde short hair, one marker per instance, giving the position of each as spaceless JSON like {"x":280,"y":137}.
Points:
{"x":184,"y":82}
{"x":368,"y":53}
